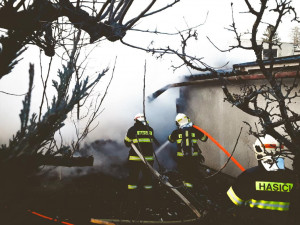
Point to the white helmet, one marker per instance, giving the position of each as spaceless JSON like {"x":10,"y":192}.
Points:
{"x":181,"y":119}
{"x":266,"y":147}
{"x":140,"y":117}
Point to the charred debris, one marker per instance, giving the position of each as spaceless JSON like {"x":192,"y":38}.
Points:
{"x":87,"y":195}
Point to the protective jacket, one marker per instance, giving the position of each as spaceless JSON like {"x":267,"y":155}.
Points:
{"x":186,"y":139}
{"x":267,"y":194}
{"x":142,"y":136}
{"x":188,"y":152}
{"x":258,"y":188}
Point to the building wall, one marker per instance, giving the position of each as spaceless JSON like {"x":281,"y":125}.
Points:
{"x":286,"y":49}
{"x":205,"y":106}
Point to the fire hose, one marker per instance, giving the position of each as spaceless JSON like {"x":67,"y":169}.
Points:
{"x":221,"y":147}
{"x":157,"y":175}
{"x":49,"y":218}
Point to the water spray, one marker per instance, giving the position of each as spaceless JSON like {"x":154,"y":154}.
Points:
{"x":161,"y":147}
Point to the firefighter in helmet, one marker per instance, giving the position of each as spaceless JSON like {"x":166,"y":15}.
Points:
{"x":141,"y":135}
{"x":264,"y":191}
{"x":188,"y":152}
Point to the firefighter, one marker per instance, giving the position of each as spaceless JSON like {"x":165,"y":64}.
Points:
{"x":188,"y":152}
{"x":264,"y":191}
{"x":141,"y":135}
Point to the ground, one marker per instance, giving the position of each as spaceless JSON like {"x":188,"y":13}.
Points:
{"x":76,"y":199}
{"x":46,"y":196}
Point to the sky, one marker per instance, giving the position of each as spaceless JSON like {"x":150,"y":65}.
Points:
{"x":125,"y":95}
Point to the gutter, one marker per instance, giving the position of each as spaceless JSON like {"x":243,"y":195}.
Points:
{"x":236,"y":78}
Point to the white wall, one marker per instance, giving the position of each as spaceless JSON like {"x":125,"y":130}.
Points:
{"x":285,"y":49}
{"x":206,"y":108}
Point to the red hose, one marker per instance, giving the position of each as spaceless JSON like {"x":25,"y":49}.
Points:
{"x":49,"y":218}
{"x":221,"y":147}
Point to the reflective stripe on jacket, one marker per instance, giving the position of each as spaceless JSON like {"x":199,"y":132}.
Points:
{"x":261,"y":189}
{"x":142,"y":136}
{"x":186,"y":139}
{"x":136,"y":158}
{"x":261,"y":204}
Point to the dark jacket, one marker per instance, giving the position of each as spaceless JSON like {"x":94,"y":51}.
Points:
{"x":266,"y":194}
{"x":142,"y":137}
{"x":186,"y":139}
